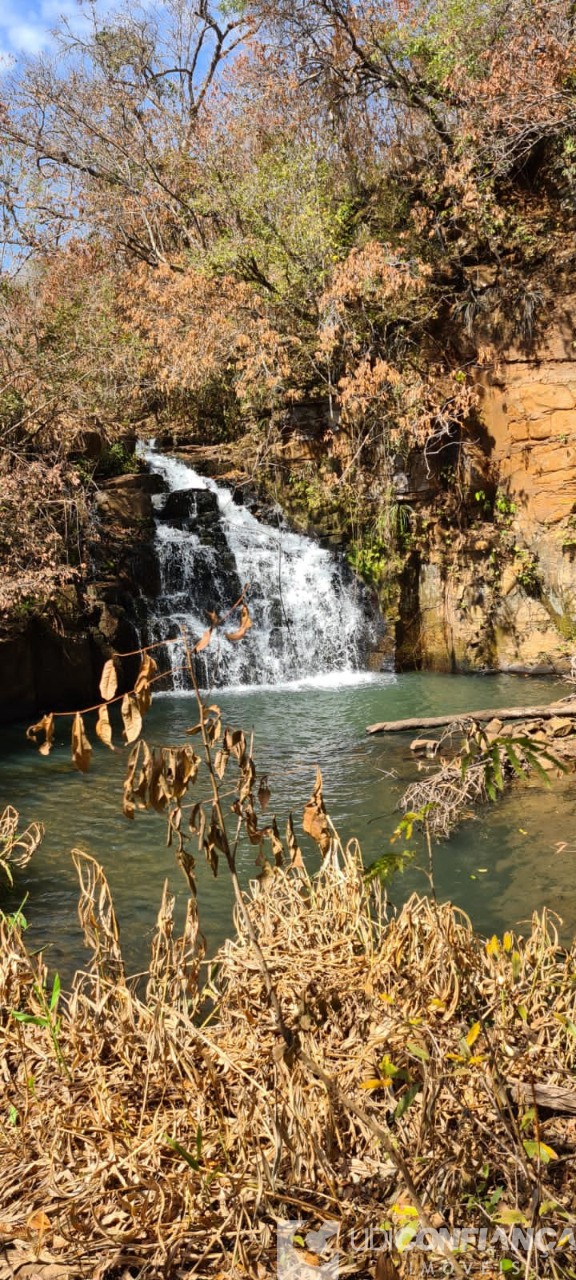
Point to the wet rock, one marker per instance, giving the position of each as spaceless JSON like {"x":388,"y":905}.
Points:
{"x":560,"y":727}
{"x":142,"y":481}
{"x":189,"y":508}
{"x":124,"y":507}
{"x":424,"y":746}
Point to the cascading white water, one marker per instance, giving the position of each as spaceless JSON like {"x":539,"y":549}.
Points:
{"x":309,"y":614}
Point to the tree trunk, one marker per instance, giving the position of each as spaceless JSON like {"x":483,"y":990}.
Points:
{"x":566,"y":707}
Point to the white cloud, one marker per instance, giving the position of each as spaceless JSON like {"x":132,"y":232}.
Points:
{"x":22,"y":28}
{"x":27,"y":37}
{"x":27,"y":28}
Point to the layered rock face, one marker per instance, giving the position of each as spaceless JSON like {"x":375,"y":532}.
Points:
{"x":48,"y":668}
{"x":502,"y":594}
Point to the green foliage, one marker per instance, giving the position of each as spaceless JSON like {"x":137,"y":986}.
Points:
{"x":283,"y":220}
{"x":527,"y":571}
{"x":389,"y":864}
{"x":504,"y":507}
{"x":48,"y":1018}
{"x":369,"y":559}
{"x":483,"y":501}
{"x":519,"y":753}
{"x":116,"y":460}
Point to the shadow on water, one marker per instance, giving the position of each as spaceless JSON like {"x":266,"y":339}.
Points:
{"x":499,"y":868}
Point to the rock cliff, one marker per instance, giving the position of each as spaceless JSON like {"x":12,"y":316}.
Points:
{"x":499,"y":591}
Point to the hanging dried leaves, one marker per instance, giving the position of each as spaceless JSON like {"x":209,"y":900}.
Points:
{"x":109,"y":680}
{"x":148,"y":669}
{"x":314,"y":821}
{"x":45,"y":726}
{"x":203,"y":641}
{"x":247,"y":779}
{"x":164,"y":776}
{"x":142,"y":782}
{"x":277,"y":846}
{"x":104,"y":728}
{"x":296,"y":859}
{"x":251,"y":822}
{"x":245,"y":624}
{"x":128,"y":802}
{"x":131,"y":717}
{"x":81,"y":749}
{"x":264,"y":792}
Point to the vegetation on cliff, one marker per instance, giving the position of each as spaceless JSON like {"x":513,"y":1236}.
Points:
{"x":301,"y":226}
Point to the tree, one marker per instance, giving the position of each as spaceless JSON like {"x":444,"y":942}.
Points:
{"x":111,"y":122}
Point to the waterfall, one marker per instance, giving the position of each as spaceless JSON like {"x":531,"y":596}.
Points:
{"x":311,"y":617}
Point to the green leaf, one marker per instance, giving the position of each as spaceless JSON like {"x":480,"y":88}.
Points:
{"x":35,"y":1019}
{"x":405,"y":1101}
{"x":511,"y":1217}
{"x":514,"y":759}
{"x":497,"y":766}
{"x":539,"y":1150}
{"x":536,"y":766}
{"x":528,"y":1117}
{"x":185,"y":1155}
{"x":418,"y":1051}
{"x":54,"y":998}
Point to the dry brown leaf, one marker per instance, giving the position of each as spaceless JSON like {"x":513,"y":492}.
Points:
{"x":203,"y":641}
{"x":245,"y":624}
{"x":386,"y":1269}
{"x":148,"y":669}
{"x":160,"y":792}
{"x":142,"y":785}
{"x":277,"y":846}
{"x":296,"y":859}
{"x":314,"y":819}
{"x":103,"y":727}
{"x":38,"y":1221}
{"x":264,"y":792}
{"x":128,"y":804}
{"x":131,"y":717}
{"x":45,"y":726}
{"x":108,"y":680}
{"x":81,"y":749}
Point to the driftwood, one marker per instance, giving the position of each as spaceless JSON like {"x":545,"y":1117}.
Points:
{"x":552,"y":1096}
{"x":566,"y":707}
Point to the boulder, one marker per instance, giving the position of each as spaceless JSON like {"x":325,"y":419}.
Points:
{"x":560,"y":727}
{"x":186,"y":508}
{"x":142,"y":481}
{"x":124,"y":507}
{"x":424,"y":746}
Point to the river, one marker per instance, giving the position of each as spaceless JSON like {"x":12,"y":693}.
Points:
{"x":499,"y":867}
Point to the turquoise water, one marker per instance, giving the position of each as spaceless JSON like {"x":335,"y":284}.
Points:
{"x":499,"y":867}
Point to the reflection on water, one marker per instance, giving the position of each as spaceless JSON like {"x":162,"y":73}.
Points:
{"x":499,"y":868}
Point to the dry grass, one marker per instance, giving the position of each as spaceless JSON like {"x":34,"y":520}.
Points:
{"x":157,"y":1134}
{"x":16,"y":847}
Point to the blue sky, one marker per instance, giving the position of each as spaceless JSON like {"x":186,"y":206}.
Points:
{"x":25,"y":24}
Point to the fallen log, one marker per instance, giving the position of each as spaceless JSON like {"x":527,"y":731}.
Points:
{"x":553,"y":1097}
{"x":565,"y":707}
